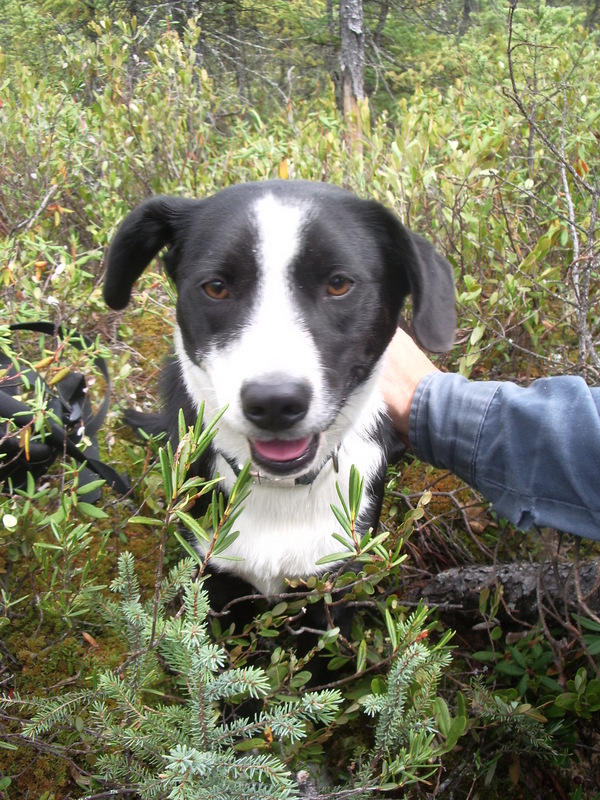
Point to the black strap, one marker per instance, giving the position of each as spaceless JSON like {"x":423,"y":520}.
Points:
{"x":73,"y":398}
{"x":66,"y":389}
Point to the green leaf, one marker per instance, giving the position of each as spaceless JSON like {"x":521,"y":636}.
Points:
{"x":300,"y":679}
{"x":189,"y":549}
{"x":442,"y":715}
{"x":391,"y":629}
{"x":91,"y":511}
{"x":458,"y":727}
{"x":518,"y":657}
{"x":361,"y":656}
{"x":332,"y":558}
{"x":589,"y":624}
{"x":223,"y":543}
{"x":165,"y":456}
{"x":193,"y":525}
{"x":91,"y":486}
{"x":251,"y":744}
{"x":476,"y":334}
{"x":343,"y":520}
{"x":566,"y":700}
{"x":329,"y":636}
{"x":484,"y":655}
{"x":484,"y":596}
{"x":508,"y":668}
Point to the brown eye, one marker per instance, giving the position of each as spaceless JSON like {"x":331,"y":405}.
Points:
{"x":216,"y":290}
{"x":339,"y":285}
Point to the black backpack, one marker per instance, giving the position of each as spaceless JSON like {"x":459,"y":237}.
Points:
{"x":70,"y":419}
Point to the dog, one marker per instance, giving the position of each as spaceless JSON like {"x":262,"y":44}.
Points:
{"x":288,"y":293}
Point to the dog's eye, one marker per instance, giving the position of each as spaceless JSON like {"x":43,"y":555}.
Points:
{"x":339,"y":285}
{"x":216,"y":290}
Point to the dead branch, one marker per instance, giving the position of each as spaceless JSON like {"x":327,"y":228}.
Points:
{"x":562,"y":586}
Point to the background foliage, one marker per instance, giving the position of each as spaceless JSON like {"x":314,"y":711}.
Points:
{"x":482,"y":131}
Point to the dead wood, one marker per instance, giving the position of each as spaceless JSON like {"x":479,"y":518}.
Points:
{"x":560,"y":586}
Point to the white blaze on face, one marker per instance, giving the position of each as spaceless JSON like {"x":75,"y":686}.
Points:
{"x":274,"y":341}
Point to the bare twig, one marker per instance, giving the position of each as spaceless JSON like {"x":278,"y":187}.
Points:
{"x":27,"y":224}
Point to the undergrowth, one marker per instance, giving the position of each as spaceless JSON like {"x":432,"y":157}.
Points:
{"x":114,"y":676}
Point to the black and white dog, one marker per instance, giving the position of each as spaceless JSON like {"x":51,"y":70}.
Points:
{"x":288,"y":293}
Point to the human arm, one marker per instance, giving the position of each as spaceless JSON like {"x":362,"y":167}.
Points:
{"x":533,"y":452}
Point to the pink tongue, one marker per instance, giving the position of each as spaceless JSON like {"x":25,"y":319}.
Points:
{"x":279,"y":450}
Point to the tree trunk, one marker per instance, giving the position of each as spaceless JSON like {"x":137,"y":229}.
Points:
{"x":383,"y":15}
{"x":352,"y":62}
{"x":593,"y":13}
{"x":465,"y":18}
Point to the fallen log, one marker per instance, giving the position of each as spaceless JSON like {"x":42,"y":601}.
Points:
{"x":560,"y":586}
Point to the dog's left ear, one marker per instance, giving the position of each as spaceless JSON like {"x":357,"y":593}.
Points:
{"x":144,"y":232}
{"x":430,"y":282}
{"x":432,"y":288}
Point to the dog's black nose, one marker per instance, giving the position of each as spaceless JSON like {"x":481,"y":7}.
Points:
{"x":275,"y":404}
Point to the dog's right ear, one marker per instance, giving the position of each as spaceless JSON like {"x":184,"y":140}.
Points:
{"x":143,"y":233}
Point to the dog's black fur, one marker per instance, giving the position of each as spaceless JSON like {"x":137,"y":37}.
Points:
{"x":288,"y":295}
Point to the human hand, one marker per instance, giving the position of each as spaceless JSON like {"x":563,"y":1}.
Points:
{"x":403,"y":368}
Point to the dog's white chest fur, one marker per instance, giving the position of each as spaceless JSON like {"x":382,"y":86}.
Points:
{"x":285,"y":530}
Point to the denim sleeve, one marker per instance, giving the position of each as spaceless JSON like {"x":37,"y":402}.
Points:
{"x":533,"y":452}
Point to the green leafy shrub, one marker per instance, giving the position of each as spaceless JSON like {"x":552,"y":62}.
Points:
{"x":155,"y":745}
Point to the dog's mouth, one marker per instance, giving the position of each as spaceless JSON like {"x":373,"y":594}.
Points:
{"x":284,"y":456}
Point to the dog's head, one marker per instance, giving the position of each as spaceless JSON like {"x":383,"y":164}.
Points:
{"x":288,"y":294}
